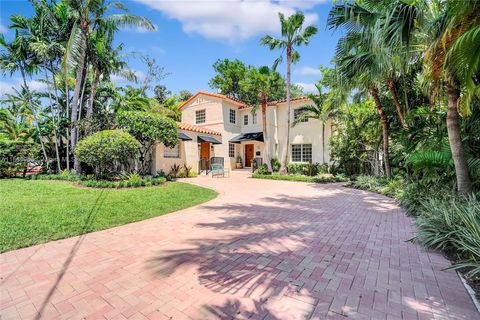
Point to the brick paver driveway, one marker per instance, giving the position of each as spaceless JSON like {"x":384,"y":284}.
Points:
{"x":262,"y":250}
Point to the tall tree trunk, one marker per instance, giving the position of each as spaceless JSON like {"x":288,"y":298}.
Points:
{"x":393,"y":90}
{"x":34,"y":113}
{"x":384,"y":122}
{"x":67,"y":102}
{"x":323,"y":142}
{"x":266,"y":140}
{"x":55,"y":137}
{"x":93,"y":93}
{"x":80,"y":107}
{"x":74,"y":108}
{"x":464,"y":183}
{"x":284,"y":162}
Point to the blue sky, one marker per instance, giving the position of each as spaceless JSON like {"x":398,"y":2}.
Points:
{"x":192,"y":35}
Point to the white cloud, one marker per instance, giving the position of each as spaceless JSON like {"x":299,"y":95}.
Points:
{"x":307,"y":71}
{"x":229,"y":20}
{"x":8,"y":87}
{"x":307,"y":87}
{"x":302,"y":4}
{"x":5,"y":87}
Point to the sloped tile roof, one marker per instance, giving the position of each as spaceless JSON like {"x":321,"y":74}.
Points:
{"x":240,"y":104}
{"x":193,"y":128}
{"x":274,"y":103}
{"x":215,"y":95}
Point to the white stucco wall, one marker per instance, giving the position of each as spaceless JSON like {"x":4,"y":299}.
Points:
{"x":217,"y":116}
{"x":307,"y":132}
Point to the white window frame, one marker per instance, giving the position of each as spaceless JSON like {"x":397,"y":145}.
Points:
{"x":303,"y":152}
{"x":232,"y":116}
{"x":172,"y":153}
{"x":296,"y":113}
{"x":231,"y":150}
{"x":254,"y":118}
{"x":245,"y":119}
{"x":197,"y":112}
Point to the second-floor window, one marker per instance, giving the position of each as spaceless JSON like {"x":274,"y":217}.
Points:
{"x":245,"y":119}
{"x":254,"y":118}
{"x":297,"y":113}
{"x":233,"y":116}
{"x":200,"y":116}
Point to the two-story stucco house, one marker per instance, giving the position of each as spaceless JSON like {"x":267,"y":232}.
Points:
{"x":217,"y":128}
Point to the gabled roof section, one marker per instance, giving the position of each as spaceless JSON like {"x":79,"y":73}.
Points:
{"x":274,"y":103}
{"x":192,"y":128}
{"x":214,"y":95}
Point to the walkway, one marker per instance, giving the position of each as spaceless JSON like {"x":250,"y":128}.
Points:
{"x":261,"y":250}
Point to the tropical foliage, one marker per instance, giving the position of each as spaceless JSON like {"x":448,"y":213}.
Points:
{"x":104,"y":150}
{"x":69,"y":49}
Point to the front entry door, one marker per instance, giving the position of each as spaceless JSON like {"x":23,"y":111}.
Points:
{"x":204,"y":154}
{"x":248,"y":155}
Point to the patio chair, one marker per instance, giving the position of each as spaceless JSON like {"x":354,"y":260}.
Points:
{"x":219,"y":170}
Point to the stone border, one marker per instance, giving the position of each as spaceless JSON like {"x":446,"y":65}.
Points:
{"x":470,"y":291}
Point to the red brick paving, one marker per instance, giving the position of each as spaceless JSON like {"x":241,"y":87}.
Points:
{"x":261,"y":250}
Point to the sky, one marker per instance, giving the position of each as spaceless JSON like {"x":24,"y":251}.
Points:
{"x":192,"y":35}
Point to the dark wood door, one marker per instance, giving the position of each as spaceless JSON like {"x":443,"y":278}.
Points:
{"x":248,"y":155}
{"x":204,"y":154}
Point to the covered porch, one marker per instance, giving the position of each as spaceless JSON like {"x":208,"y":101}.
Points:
{"x":251,"y":148}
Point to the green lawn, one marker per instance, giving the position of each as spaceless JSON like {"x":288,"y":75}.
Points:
{"x":37,"y":211}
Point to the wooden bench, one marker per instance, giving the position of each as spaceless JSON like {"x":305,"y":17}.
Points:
{"x":219,"y":170}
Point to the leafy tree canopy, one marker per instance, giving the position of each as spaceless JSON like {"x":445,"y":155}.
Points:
{"x":229,"y":75}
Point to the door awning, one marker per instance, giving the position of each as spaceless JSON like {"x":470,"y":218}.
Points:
{"x":182,"y":136}
{"x":253,"y":136}
{"x":208,"y":139}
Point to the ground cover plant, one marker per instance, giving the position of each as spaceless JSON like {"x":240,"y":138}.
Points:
{"x":301,"y":178}
{"x":37,"y":211}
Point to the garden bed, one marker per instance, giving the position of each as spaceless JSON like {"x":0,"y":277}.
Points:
{"x":38,"y":211}
{"x":132,"y":181}
{"x":300,"y":178}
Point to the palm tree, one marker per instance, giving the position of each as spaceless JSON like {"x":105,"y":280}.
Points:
{"x":17,"y":56}
{"x":384,"y":25}
{"x":91,"y":15}
{"x":449,"y":34}
{"x":263,"y":85}
{"x":361,"y":67}
{"x":320,"y":109}
{"x":293,"y":35}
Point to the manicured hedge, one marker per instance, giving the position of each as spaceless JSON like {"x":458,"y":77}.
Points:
{"x":300,"y":178}
{"x":129,"y":183}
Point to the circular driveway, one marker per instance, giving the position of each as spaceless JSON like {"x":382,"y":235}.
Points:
{"x":262,"y":249}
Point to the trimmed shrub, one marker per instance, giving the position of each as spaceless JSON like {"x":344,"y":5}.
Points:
{"x":308,"y":169}
{"x":275,"y":164}
{"x":148,"y":128}
{"x":300,"y":178}
{"x":263,"y":169}
{"x":105,"y":149}
{"x":130,"y":181}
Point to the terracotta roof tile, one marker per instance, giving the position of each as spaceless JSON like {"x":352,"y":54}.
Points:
{"x":240,"y":104}
{"x":193,"y":128}
{"x":215,"y":95}
{"x":273,"y":103}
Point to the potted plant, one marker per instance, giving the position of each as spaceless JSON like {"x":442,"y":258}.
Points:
{"x":238,"y":164}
